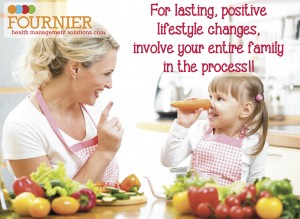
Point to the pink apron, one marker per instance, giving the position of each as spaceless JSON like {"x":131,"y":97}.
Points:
{"x":83,"y":149}
{"x":219,"y":157}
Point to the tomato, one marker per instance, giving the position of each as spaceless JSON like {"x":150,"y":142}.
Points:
{"x":264,"y":194}
{"x":181,"y":202}
{"x":22,"y":202}
{"x":205,"y":194}
{"x":251,"y":189}
{"x":242,"y":195}
{"x":232,"y":200}
{"x":204,"y":210}
{"x":269,"y":207}
{"x":65,"y":205}
{"x":247,"y":212}
{"x":39,"y":207}
{"x":222,"y":211}
{"x":236,"y":212}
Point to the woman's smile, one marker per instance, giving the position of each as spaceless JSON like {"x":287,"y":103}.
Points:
{"x":97,"y":93}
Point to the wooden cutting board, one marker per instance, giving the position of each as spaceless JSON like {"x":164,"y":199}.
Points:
{"x":132,"y":201}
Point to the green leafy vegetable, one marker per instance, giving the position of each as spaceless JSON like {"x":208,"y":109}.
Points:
{"x":92,"y":187}
{"x":234,"y":188}
{"x":45,"y":175}
{"x":183,"y":182}
{"x":291,"y":207}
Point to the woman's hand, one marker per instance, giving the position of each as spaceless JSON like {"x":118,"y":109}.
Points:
{"x":110,"y":132}
{"x":186,"y":118}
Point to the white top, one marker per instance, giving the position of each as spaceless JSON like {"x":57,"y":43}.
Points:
{"x":27,"y":134}
{"x":182,"y":141}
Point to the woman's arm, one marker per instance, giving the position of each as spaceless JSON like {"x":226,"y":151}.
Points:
{"x":25,"y":167}
{"x":95,"y":167}
{"x":22,"y":145}
{"x":110,"y":134}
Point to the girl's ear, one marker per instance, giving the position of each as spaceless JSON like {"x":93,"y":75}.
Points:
{"x":247,"y":110}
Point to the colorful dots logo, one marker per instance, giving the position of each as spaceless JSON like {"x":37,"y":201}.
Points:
{"x":21,"y":9}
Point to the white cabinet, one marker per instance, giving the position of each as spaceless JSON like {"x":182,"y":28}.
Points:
{"x":283,"y":163}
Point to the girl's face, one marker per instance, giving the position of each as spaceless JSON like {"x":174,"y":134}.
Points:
{"x":224,"y":114}
{"x":94,"y":79}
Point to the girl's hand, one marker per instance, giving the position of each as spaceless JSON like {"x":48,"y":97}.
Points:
{"x":186,"y":118}
{"x":110,"y":132}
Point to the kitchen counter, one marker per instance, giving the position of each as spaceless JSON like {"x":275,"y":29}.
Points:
{"x":153,"y":209}
{"x":275,"y":137}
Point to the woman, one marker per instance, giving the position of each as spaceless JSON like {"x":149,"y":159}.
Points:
{"x":56,"y":123}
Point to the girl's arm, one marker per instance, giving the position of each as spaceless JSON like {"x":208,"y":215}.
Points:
{"x":180,"y":143}
{"x":258,"y":165}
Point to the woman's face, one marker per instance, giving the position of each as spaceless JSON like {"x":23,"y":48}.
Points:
{"x":225,"y":111}
{"x":94,"y":79}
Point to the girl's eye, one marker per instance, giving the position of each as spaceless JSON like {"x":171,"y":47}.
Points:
{"x":220,"y":99}
{"x":210,"y":97}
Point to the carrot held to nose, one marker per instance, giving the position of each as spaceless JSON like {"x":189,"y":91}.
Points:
{"x":192,"y":104}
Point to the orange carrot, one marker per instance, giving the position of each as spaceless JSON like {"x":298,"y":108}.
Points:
{"x":192,"y":105}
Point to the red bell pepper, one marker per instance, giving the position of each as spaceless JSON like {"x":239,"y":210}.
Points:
{"x":25,"y":184}
{"x":130,"y":184}
{"x":86,"y":197}
{"x":205,"y":194}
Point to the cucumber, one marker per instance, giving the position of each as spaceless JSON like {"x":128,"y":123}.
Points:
{"x":108,"y":199}
{"x":54,"y":182}
{"x":113,"y":190}
{"x":121,"y":196}
{"x":101,"y":195}
{"x":131,"y":193}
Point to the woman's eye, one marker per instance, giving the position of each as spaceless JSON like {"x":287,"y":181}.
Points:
{"x":107,"y":74}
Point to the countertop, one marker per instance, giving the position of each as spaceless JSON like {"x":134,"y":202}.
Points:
{"x":275,"y":137}
{"x":153,"y":209}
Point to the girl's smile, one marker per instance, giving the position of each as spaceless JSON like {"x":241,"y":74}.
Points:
{"x":211,"y":115}
{"x":224,"y":114}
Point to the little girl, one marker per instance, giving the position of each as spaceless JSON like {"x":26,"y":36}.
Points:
{"x":231,"y":146}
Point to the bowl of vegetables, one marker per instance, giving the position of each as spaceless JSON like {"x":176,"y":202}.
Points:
{"x":158,"y":185}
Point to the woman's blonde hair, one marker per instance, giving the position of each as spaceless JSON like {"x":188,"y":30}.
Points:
{"x":246,"y":87}
{"x":47,"y":57}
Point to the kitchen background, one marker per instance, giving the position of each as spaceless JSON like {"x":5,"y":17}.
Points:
{"x":140,"y":99}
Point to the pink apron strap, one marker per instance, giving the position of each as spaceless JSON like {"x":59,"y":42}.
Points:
{"x":49,"y":117}
{"x":243,"y":132}
{"x":88,"y":114}
{"x":209,"y":130}
{"x":241,"y":136}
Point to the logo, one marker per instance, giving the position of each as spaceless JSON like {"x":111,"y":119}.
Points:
{"x":21,"y":9}
{"x":45,"y":19}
